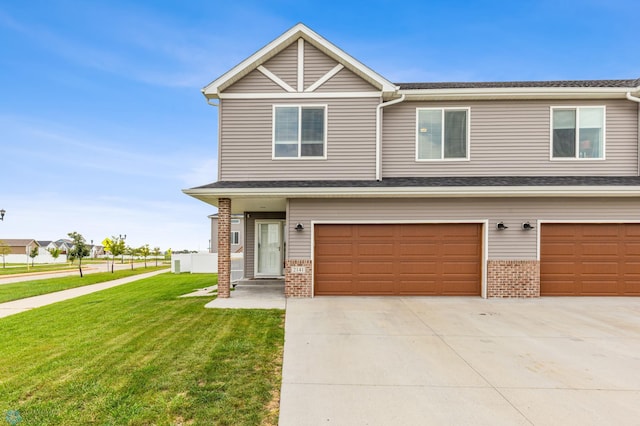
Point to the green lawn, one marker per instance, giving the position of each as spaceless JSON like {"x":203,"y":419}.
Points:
{"x":136,"y":354}
{"x":15,"y":291}
{"x":47,"y":267}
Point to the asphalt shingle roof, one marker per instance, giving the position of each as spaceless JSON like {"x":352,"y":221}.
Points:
{"x":521,"y":84}
{"x":435,"y":182}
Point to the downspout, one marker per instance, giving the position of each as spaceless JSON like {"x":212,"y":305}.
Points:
{"x":213,"y":104}
{"x":637,"y":100}
{"x":379,"y":134}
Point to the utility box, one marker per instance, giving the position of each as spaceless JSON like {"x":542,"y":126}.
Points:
{"x":176,"y":266}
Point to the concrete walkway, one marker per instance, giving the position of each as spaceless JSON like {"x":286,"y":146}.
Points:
{"x":17,"y":306}
{"x":253,"y":294}
{"x":461,"y":361}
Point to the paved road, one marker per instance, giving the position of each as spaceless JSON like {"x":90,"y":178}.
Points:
{"x":17,"y":306}
{"x":91,"y":268}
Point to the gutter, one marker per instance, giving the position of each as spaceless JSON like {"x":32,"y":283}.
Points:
{"x":637,"y":100}
{"x":379,"y":134}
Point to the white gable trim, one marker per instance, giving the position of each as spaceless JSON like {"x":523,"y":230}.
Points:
{"x":271,"y":76}
{"x":299,"y":95}
{"x":213,"y":89}
{"x":335,"y":70}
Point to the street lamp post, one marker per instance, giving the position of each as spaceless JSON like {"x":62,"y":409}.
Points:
{"x":123,"y":238}
{"x":2,"y":212}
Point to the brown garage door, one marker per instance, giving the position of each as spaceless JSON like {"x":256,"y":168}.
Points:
{"x":590,"y":259}
{"x":399,"y":259}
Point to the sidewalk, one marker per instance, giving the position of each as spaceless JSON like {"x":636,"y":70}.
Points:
{"x":22,"y":305}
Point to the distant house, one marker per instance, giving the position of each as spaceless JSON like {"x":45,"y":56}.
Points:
{"x":47,"y":245}
{"x":237,"y":233}
{"x":64,"y":245}
{"x":21,"y":246}
{"x":96,"y":251}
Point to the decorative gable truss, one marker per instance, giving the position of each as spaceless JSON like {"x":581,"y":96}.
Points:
{"x":283,"y":63}
{"x":300,"y":77}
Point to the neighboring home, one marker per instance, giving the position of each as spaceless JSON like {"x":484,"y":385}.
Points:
{"x":20,"y":246}
{"x":96,"y":251}
{"x":47,"y":245}
{"x":237,"y":233}
{"x":64,"y":245}
{"x":353,"y":185}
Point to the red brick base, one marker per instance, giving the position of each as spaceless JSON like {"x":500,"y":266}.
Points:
{"x":298,"y":278}
{"x":513,"y":278}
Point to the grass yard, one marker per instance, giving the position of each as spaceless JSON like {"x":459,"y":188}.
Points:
{"x":23,"y":269}
{"x":15,"y":291}
{"x":138,"y":355}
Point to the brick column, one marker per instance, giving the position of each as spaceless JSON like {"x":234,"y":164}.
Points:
{"x":513,"y":278}
{"x":224,"y":247}
{"x":297,"y":278}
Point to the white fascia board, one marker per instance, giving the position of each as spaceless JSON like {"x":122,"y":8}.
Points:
{"x":299,"y":30}
{"x":515,"y":93}
{"x":429,"y":192}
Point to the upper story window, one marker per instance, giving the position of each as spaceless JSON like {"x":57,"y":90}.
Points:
{"x":299,"y":131}
{"x":442,"y":134}
{"x":577,"y":132}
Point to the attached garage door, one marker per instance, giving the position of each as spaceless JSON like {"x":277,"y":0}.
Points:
{"x":399,"y":259}
{"x":590,"y":260}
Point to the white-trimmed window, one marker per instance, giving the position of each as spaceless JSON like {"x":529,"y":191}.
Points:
{"x":577,"y":132}
{"x":442,"y":134}
{"x":299,"y":131}
{"x":235,"y":237}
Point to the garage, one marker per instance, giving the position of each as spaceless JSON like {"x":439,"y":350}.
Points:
{"x":590,"y":259}
{"x":398,"y":259}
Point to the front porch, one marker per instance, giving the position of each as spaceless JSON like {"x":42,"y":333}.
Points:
{"x":253,"y":294}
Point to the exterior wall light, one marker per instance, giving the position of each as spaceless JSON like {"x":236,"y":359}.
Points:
{"x":299,"y":227}
{"x":526,"y":226}
{"x":500,"y":226}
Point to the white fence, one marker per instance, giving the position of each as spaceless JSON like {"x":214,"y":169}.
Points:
{"x":205,"y":263}
{"x":40,"y":258}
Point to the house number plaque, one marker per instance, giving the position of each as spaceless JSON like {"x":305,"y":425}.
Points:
{"x":298,"y":269}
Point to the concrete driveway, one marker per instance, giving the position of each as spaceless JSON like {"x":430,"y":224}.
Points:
{"x":461,"y":361}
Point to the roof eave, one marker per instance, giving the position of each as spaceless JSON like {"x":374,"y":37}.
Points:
{"x":519,"y":93}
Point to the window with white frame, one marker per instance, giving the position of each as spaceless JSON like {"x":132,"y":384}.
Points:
{"x":235,"y":237}
{"x":299,"y":131}
{"x":442,"y":134}
{"x":577,"y":132}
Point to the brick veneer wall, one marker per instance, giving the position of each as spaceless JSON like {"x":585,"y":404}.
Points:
{"x":224,"y":248}
{"x":513,"y":278}
{"x":298,"y":284}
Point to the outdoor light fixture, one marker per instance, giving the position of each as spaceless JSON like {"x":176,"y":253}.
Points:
{"x":299,"y":227}
{"x":526,"y":226}
{"x":500,"y":226}
{"x":2,"y":212}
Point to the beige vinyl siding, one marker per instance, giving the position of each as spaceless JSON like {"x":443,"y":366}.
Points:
{"x":285,"y":65}
{"x":510,"y":138}
{"x":316,"y":64}
{"x":246,"y":141}
{"x":255,"y":82}
{"x":511,"y":244}
{"x":346,"y":81}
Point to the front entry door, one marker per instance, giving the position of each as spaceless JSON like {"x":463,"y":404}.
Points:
{"x":269,"y":249}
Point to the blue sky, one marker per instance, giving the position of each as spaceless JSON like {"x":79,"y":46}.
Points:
{"x":102,"y":122}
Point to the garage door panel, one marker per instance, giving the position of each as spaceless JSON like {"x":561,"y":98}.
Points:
{"x":600,"y":249}
{"x":403,"y":259}
{"x":375,"y":249}
{"x":334,"y":231}
{"x":334,"y":249}
{"x":334,"y":267}
{"x":589,"y":259}
{"x":419,"y":249}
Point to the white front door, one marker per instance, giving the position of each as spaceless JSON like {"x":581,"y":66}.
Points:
{"x":269,"y":250}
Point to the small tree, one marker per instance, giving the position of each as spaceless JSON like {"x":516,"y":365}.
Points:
{"x":144,"y":251}
{"x":156,"y":253}
{"x":115,"y":246}
{"x":131,"y":252}
{"x":33,"y":253}
{"x":79,"y":250}
{"x":167,"y":254}
{"x":4,"y":250}
{"x":54,"y":252}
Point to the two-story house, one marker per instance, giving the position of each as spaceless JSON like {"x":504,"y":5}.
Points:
{"x":350,"y":184}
